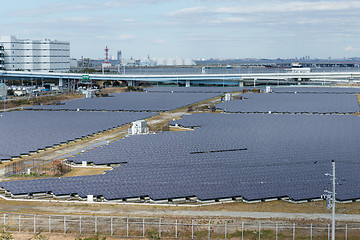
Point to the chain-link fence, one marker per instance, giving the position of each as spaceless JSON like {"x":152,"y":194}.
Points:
{"x":169,"y":228}
{"x":36,"y":167}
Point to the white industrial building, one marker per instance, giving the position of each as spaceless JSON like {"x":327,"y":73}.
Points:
{"x":175,"y":62}
{"x":35,"y":55}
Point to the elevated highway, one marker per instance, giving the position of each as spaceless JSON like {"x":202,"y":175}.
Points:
{"x":226,"y":79}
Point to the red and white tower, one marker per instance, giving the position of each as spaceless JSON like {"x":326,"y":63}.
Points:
{"x":106,"y":63}
{"x":106,"y":55}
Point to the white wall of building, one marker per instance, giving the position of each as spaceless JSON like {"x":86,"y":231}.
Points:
{"x":36,"y":55}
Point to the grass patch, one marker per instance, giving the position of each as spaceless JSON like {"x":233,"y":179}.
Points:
{"x":85,"y":171}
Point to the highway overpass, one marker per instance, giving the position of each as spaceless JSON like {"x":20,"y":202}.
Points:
{"x":226,"y":79}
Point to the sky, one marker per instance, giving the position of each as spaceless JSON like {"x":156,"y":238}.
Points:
{"x":190,"y":29}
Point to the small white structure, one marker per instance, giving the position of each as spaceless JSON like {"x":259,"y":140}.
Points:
{"x":139,"y":127}
{"x":89,"y":93}
{"x":268,"y":89}
{"x":90,"y":198}
{"x":84,"y":163}
{"x":228,"y":97}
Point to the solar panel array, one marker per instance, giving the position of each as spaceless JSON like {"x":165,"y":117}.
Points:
{"x":196,"y":89}
{"x":133,"y":101}
{"x":286,"y":102}
{"x":27,"y":131}
{"x":326,"y":90}
{"x":255,"y":156}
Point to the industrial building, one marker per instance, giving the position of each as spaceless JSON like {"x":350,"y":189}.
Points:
{"x":35,"y":55}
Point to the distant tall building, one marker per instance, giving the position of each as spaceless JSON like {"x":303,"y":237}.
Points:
{"x":119,"y":57}
{"x":35,"y":55}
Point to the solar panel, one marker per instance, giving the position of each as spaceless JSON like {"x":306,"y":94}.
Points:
{"x":26,"y":131}
{"x":286,"y":155}
{"x":319,"y":90}
{"x":291,"y":103}
{"x":133,"y":101}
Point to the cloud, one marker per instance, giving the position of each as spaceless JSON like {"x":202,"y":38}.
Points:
{"x":159,"y":40}
{"x":123,"y":37}
{"x":49,"y":9}
{"x":271,"y":7}
{"x":350,"y":49}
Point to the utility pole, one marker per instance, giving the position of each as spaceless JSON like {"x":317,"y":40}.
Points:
{"x":331,"y":203}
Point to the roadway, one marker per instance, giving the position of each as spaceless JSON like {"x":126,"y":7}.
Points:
{"x":239,"y":78}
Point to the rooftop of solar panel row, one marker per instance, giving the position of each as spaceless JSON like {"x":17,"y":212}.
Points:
{"x":133,"y":101}
{"x":328,"y":90}
{"x":195,"y":89}
{"x":286,"y":102}
{"x":286,"y":155}
{"x":25,"y":131}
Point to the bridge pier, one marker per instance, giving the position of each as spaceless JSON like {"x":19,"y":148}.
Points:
{"x":299,"y":81}
{"x":61,"y":83}
{"x":130,"y":83}
{"x":241,"y":83}
{"x":351,"y":80}
{"x":187,"y":83}
{"x":255,"y":79}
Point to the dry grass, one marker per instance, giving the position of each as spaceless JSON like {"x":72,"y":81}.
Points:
{"x":113,"y":90}
{"x":45,"y":100}
{"x":85,"y":171}
{"x":179,"y":129}
{"x":75,"y":208}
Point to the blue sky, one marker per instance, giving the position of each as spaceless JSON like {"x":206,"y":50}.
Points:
{"x":190,"y":28}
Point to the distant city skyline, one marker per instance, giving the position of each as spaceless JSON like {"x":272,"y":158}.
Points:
{"x":190,"y":29}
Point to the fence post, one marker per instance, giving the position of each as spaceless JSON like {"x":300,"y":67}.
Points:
{"x":276,"y":231}
{"x":311,"y":231}
{"x":111,"y":227}
{"x":19,"y":223}
{"x":346,"y":232}
{"x":143,"y":227}
{"x":192,"y":229}
{"x":49,"y":224}
{"x":328,"y":231}
{"x":209,"y":228}
{"x":34,"y":224}
{"x":259,"y":230}
{"x":95,"y":225}
{"x":160,"y":228}
{"x":4,"y":222}
{"x":294,"y":231}
{"x":64,"y":224}
{"x":225,"y":230}
{"x":242,"y":231}
{"x":176,"y":228}
{"x":80,"y":225}
{"x":127,"y":227}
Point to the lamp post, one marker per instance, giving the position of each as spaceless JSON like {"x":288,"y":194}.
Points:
{"x":4,"y":103}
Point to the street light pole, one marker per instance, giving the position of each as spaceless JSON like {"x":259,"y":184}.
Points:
{"x":333,"y":201}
